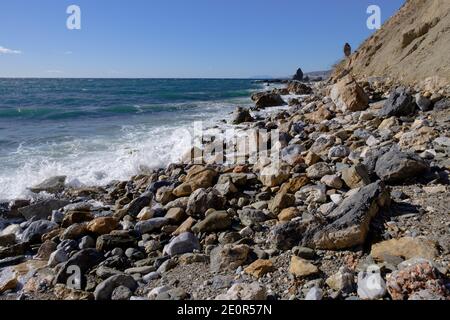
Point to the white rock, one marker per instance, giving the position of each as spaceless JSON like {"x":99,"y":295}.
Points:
{"x":336,"y":198}
{"x":245,"y":291}
{"x":314,"y":294}
{"x":371,"y":286}
{"x":57,"y":257}
{"x":156,"y":291}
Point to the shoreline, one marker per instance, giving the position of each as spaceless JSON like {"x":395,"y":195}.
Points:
{"x":309,"y":230}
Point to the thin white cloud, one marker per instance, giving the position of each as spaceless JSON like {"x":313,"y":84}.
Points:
{"x":4,"y":50}
{"x":68,"y":52}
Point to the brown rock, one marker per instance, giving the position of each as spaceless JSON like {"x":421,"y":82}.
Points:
{"x":9,"y":284}
{"x":271,"y":176}
{"x":295,"y":184}
{"x":45,"y":250}
{"x":228,"y":257}
{"x":356,"y":176}
{"x":72,"y":217}
{"x":288,"y":214}
{"x":347,"y":95}
{"x":102,"y":225}
{"x":75,"y":231}
{"x":64,"y":293}
{"x":176,"y":215}
{"x":186,"y":226}
{"x":281,"y":201}
{"x":198,"y":177}
{"x":406,"y":248}
{"x":320,"y":115}
{"x":259,"y":268}
{"x":312,"y":158}
{"x":302,"y":268}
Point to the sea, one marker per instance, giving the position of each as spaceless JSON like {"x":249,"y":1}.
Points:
{"x":95,"y":131}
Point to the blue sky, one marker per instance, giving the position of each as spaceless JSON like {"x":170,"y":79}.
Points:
{"x":180,"y":38}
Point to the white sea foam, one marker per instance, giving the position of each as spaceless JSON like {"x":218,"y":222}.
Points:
{"x":98,"y":160}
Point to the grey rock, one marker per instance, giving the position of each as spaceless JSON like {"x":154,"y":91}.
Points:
{"x":51,"y":185}
{"x":108,"y":242}
{"x":314,"y":294}
{"x":338,"y":152}
{"x":442,"y":104}
{"x":269,"y":100}
{"x":396,"y":166}
{"x":105,"y":289}
{"x":57,"y":257}
{"x":37,"y":229}
{"x":151,"y":276}
{"x":287,"y":235}
{"x":228,"y":257}
{"x":350,"y":221}
{"x":87,"y":242}
{"x":241,"y":115}
{"x":184,"y":243}
{"x":423,"y":103}
{"x":167,"y":266}
{"x":400,"y":103}
{"x":82,"y":261}
{"x":250,"y":217}
{"x":121,"y":293}
{"x":201,"y":200}
{"x":291,"y":153}
{"x":318,"y":170}
{"x":42,"y":209}
{"x":151,"y":225}
{"x":135,"y":206}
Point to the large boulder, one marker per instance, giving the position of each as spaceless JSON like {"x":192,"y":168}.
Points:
{"x":400,"y":103}
{"x":296,"y":87}
{"x":241,"y":115}
{"x":396,"y":166}
{"x":298,"y":75}
{"x":352,"y":219}
{"x":269,"y":99}
{"x":51,"y":185}
{"x":347,"y":95}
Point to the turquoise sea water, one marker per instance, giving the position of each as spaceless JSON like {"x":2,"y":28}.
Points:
{"x":98,"y":130}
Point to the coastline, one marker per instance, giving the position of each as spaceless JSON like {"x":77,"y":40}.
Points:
{"x":209,"y":231}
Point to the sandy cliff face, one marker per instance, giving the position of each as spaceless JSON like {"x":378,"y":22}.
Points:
{"x":412,"y":46}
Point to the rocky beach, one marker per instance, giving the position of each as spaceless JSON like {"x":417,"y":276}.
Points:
{"x":357,"y":207}
{"x":361,"y":195}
